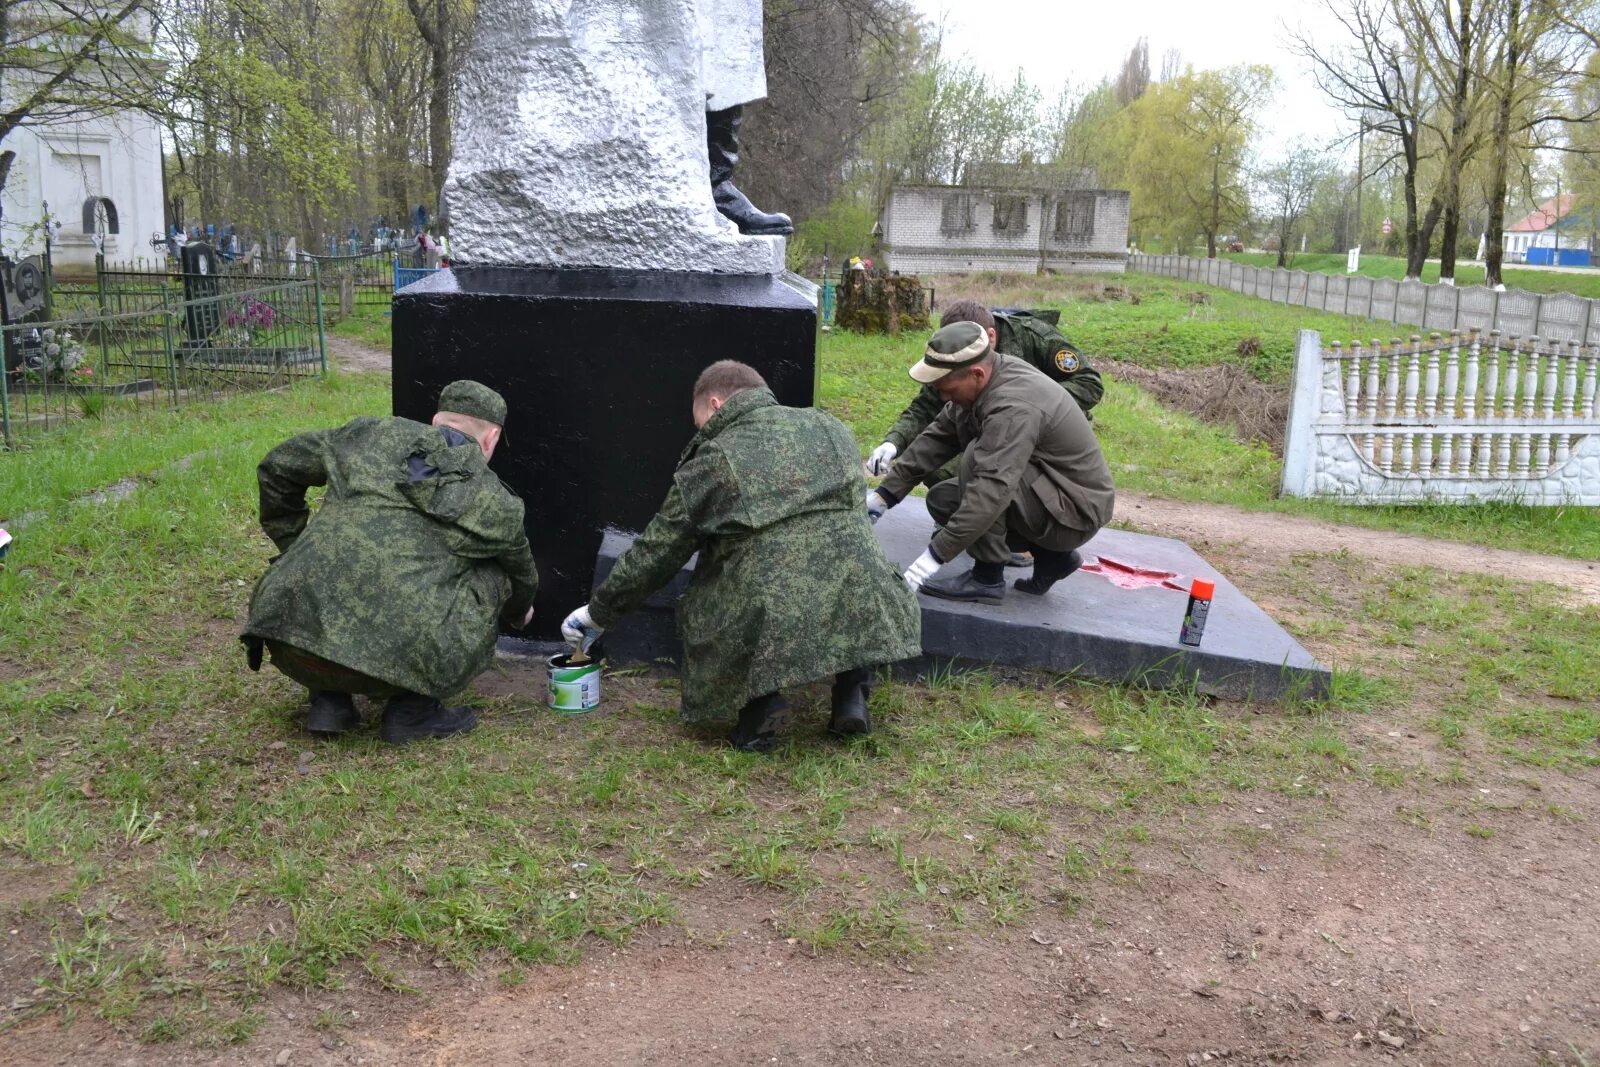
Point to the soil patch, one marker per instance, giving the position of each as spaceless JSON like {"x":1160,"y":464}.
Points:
{"x":1221,"y":395}
{"x":352,"y":355}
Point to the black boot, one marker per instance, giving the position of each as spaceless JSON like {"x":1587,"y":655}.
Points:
{"x":850,"y":692}
{"x":985,"y":583}
{"x":759,"y":723}
{"x":722,"y":140}
{"x":1048,"y":569}
{"x":412,"y":717}
{"x":331,"y":713}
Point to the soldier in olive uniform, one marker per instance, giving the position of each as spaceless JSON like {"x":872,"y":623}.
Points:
{"x":790,"y":586}
{"x":1030,"y":472}
{"x":1013,"y":332}
{"x":394,"y":587}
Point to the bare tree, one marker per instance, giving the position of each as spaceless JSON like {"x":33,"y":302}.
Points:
{"x":1134,"y":77}
{"x":1539,"y":84}
{"x":1287,"y":187}
{"x":1372,"y":73}
{"x":1449,"y":39}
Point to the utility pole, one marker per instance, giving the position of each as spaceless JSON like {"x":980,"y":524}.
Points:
{"x":1361,"y":156}
{"x":1555,"y":260}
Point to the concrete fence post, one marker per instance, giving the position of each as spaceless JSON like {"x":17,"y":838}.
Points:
{"x":1300,"y":439}
{"x":1538,"y":315}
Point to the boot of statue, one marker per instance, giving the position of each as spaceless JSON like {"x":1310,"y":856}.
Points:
{"x":722,"y":139}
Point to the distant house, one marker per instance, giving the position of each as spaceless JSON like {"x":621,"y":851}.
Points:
{"x":1542,"y":227}
{"x":98,"y":172}
{"x":933,"y":229}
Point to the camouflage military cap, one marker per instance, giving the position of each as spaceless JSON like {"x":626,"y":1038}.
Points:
{"x":465,"y":397}
{"x":958,"y":345}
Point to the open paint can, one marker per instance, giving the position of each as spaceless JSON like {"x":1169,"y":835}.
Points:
{"x":574,"y":689}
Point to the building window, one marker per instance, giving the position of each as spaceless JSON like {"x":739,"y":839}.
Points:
{"x":956,"y":214}
{"x":1010,"y":214}
{"x":1075,"y":217}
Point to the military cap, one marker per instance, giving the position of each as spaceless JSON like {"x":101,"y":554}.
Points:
{"x":466,"y":397}
{"x":960,"y":344}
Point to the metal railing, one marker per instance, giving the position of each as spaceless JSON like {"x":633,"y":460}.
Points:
{"x":166,"y":353}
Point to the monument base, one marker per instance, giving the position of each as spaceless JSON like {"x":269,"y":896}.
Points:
{"x":1118,"y":622}
{"x":597,"y":368}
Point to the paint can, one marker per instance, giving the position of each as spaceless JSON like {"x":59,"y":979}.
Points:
{"x":574,"y":690}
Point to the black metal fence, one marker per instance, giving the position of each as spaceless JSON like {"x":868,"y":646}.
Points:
{"x":144,"y":345}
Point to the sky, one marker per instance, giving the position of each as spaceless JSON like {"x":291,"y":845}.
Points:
{"x":1056,"y":42}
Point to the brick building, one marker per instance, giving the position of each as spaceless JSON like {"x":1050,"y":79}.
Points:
{"x":933,"y":229}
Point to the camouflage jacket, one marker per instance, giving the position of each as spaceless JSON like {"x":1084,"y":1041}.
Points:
{"x":790,"y":585}
{"x":414,"y":552}
{"x":1020,"y":431}
{"x":1029,"y":338}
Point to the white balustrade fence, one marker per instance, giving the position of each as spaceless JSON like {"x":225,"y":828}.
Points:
{"x":1463,"y":417}
{"x":1554,"y":316}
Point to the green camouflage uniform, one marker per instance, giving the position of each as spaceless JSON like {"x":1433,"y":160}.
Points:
{"x":415,"y":551}
{"x":1029,"y":338}
{"x":791,"y":585}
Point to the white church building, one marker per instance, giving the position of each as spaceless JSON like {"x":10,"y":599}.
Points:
{"x":80,"y":175}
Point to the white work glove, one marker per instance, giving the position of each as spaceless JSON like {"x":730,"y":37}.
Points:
{"x":876,"y":505}
{"x":923,"y":569}
{"x":878,"y":463}
{"x":579,"y":630}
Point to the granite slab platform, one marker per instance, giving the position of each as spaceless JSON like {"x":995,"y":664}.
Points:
{"x":1115,"y":620}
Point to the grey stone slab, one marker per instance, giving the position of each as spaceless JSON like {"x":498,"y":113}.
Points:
{"x":1084,"y":625}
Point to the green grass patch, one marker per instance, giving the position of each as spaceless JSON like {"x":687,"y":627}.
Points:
{"x":1585,"y":284}
{"x":370,"y":324}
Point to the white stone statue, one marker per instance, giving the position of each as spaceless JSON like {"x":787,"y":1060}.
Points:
{"x":603,"y":133}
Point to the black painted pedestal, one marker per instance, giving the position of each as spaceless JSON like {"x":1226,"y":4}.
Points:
{"x":597,"y":368}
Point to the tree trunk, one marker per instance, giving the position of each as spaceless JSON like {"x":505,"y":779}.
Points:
{"x":1216,"y":206}
{"x":1416,"y":244}
{"x":1449,"y":233}
{"x":436,"y":34}
{"x":1494,"y":233}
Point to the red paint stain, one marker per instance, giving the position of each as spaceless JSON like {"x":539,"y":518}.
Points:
{"x":1127,"y":576}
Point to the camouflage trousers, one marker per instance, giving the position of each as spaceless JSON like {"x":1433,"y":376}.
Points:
{"x":1027,"y":524}
{"x":320,"y":675}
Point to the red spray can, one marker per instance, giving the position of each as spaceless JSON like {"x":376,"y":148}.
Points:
{"x":1194,"y":616}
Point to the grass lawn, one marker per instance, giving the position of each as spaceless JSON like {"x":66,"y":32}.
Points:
{"x":1534,"y":281}
{"x":175,"y":850}
{"x":369,"y":324}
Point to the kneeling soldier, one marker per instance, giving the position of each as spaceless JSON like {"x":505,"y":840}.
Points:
{"x":1030,"y":477}
{"x":393,"y":588}
{"x":790,"y":586}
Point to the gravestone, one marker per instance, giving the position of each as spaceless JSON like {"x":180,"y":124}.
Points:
{"x":593,"y":273}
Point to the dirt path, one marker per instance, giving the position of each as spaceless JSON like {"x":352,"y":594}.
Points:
{"x":1281,"y":537}
{"x":352,"y":355}
{"x":1270,"y":930}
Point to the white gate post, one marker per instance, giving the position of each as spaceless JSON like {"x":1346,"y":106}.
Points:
{"x":1300,"y":439}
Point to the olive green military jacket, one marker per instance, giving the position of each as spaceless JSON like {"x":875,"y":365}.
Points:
{"x":1028,"y":338}
{"x":1022,"y":431}
{"x":414,"y":552}
{"x":790,"y":585}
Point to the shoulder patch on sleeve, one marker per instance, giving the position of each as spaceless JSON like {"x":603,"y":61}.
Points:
{"x":1066,"y":361}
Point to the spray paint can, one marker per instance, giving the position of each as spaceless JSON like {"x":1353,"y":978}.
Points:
{"x":1194,"y":616}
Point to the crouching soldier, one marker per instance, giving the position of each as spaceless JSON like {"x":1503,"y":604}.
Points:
{"x":393,"y":589}
{"x":1031,"y":475}
{"x":791,"y":585}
